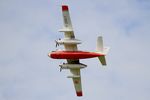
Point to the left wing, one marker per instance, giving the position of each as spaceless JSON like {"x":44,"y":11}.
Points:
{"x":67,"y":23}
{"x":67,"y":29}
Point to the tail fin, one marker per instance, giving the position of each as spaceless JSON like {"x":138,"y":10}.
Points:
{"x":102,"y":50}
{"x":99,"y":46}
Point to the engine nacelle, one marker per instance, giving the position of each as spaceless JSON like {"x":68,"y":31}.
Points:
{"x":72,"y":66}
{"x":68,"y":41}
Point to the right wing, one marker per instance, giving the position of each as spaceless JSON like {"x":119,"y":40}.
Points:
{"x":77,"y":81}
{"x":76,"y":77}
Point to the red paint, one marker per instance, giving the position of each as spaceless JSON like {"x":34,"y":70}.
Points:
{"x":73,"y":54}
{"x":79,"y":93}
{"x":76,"y":82}
{"x":64,"y":8}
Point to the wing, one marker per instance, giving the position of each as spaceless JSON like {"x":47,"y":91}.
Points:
{"x":76,"y":77}
{"x":67,"y":29}
{"x":77,"y":81}
{"x":67,"y":23}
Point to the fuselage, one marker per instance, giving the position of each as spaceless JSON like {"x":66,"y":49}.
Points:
{"x":73,"y":54}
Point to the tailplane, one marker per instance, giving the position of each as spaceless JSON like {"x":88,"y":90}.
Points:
{"x":102,"y":50}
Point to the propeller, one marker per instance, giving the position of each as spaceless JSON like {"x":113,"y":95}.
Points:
{"x":57,"y":44}
{"x":60,"y":68}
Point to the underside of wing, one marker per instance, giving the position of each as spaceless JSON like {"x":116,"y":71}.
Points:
{"x":67,"y":23}
{"x":67,"y":29}
{"x":76,"y":77}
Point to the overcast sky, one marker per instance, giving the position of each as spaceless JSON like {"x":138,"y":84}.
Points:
{"x":28,"y":29}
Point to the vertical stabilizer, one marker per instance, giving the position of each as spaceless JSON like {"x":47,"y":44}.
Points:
{"x":99,"y":46}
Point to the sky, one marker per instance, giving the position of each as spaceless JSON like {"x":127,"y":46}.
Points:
{"x":28,"y":29}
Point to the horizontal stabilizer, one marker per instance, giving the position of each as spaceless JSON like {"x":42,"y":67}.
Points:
{"x":102,"y":60}
{"x":105,"y":50}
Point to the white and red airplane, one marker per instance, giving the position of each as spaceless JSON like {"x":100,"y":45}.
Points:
{"x":72,"y":54}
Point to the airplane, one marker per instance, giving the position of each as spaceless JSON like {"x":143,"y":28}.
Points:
{"x":72,"y":54}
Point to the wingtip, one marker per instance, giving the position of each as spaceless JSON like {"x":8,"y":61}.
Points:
{"x":64,"y":7}
{"x":79,"y":94}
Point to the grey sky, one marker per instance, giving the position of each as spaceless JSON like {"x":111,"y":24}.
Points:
{"x":28,"y":29}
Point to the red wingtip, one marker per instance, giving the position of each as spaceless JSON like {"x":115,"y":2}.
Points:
{"x":64,"y":8}
{"x":79,"y":93}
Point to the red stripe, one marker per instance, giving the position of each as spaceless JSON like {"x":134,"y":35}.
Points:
{"x":79,"y":93}
{"x":64,"y":8}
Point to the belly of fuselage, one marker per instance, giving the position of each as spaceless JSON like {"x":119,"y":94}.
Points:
{"x":73,"y":55}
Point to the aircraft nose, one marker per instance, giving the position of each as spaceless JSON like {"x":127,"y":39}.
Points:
{"x":49,"y":54}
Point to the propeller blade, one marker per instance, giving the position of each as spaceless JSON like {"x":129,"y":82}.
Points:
{"x":60,"y":69}
{"x":57,"y":44}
